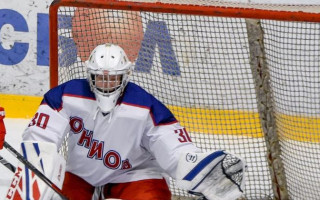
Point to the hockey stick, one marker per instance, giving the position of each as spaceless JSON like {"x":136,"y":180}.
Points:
{"x":34,"y":169}
{"x":8,"y":165}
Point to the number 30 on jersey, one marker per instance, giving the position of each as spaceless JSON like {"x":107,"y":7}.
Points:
{"x":40,"y":120}
{"x":183,"y":135}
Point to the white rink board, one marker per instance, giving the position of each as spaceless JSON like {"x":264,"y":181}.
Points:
{"x":20,"y":78}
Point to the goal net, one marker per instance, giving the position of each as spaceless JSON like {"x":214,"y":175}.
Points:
{"x":239,"y":77}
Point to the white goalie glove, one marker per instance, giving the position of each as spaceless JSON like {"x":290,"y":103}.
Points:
{"x":215,"y":175}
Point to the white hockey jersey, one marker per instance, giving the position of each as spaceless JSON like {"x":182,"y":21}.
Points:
{"x":139,"y":139}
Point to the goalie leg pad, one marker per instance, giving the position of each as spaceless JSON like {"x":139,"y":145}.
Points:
{"x":216,"y":175}
{"x":27,"y":185}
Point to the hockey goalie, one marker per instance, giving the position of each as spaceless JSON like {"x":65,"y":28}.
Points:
{"x":123,"y":142}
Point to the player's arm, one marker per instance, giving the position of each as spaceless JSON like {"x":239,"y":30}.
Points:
{"x":167,"y":143}
{"x":215,"y":175}
{"x":47,"y":125}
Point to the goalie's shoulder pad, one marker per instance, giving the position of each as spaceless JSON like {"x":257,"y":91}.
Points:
{"x":44,"y":156}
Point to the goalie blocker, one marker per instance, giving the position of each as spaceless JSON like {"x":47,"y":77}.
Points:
{"x":216,"y":175}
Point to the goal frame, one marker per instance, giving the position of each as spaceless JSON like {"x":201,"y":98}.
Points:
{"x":279,"y":184}
{"x":217,"y":11}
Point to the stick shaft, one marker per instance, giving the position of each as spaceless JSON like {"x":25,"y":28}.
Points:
{"x":7,"y":164}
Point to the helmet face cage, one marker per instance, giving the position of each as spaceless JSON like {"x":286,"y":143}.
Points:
{"x":108,"y":71}
{"x":107,"y":83}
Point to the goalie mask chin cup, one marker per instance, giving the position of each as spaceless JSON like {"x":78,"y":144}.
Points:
{"x":108,"y":72}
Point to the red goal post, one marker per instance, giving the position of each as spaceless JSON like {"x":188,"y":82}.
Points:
{"x":240,"y":77}
{"x":218,"y":9}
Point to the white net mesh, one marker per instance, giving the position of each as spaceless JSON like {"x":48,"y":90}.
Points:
{"x":201,"y":68}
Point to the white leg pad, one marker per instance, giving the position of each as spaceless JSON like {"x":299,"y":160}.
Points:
{"x":44,"y":156}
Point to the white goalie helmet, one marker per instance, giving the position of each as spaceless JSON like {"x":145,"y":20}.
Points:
{"x":108,"y":71}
